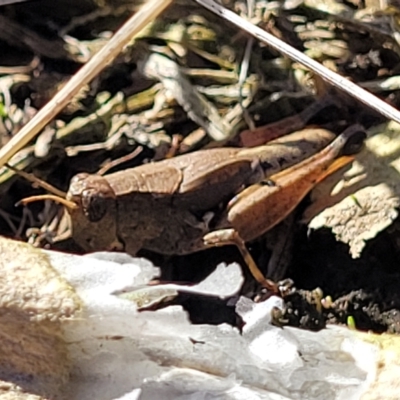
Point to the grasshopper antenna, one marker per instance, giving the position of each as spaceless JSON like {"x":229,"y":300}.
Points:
{"x":67,"y":203}
{"x":120,"y":160}
{"x":34,"y":179}
{"x":57,"y":195}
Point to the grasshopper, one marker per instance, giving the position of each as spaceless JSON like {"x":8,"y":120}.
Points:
{"x":168,"y":206}
{"x":174,"y":206}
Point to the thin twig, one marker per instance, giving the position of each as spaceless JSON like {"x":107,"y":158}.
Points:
{"x":244,"y":68}
{"x":148,"y":12}
{"x":332,"y":77}
{"x":8,"y":218}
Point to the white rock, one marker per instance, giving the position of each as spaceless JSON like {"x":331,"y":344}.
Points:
{"x":118,"y":352}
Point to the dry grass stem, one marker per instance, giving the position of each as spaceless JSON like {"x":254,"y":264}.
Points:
{"x":333,"y":78}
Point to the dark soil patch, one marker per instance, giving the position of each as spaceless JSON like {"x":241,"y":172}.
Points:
{"x":366,"y":289}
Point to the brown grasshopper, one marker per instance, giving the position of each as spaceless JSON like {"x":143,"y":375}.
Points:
{"x":166,"y":206}
{"x":172,"y":206}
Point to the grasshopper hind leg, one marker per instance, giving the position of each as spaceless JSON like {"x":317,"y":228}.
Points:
{"x":225,"y":237}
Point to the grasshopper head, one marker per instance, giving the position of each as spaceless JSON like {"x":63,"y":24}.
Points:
{"x":94,"y":221}
{"x":92,"y":194}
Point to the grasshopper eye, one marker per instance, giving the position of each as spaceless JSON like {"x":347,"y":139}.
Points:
{"x":94,"y":204}
{"x":93,"y":194}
